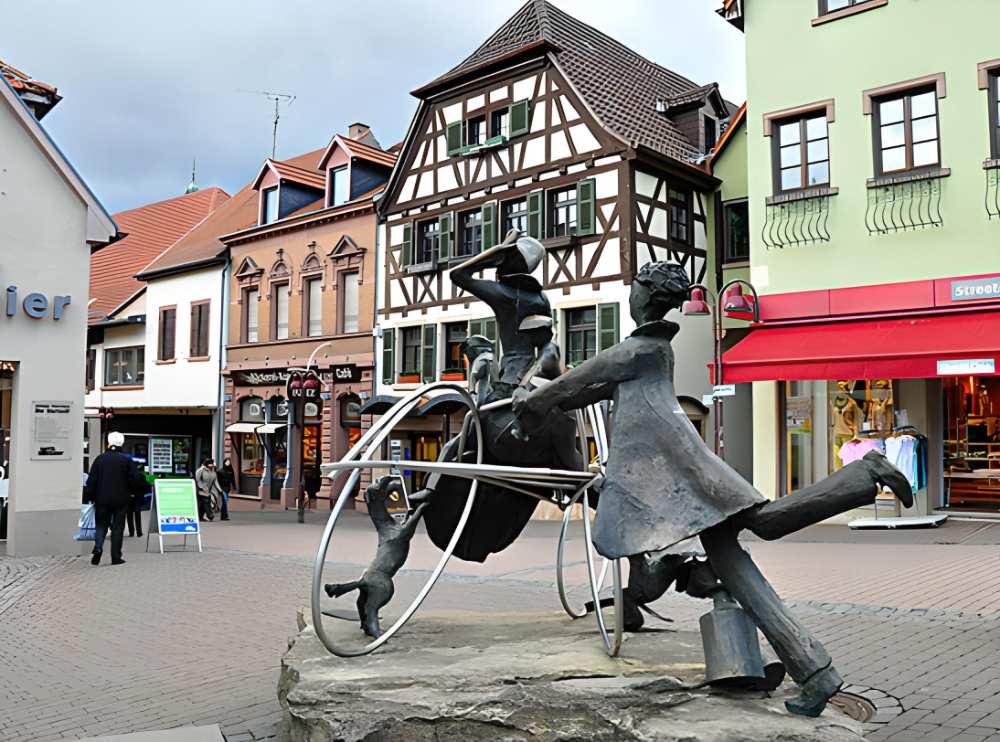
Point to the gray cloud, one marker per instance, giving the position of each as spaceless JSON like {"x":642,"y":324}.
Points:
{"x":150,"y":84}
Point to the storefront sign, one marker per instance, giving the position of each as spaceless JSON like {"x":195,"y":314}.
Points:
{"x":53,"y":425}
{"x":35,"y":305}
{"x":724,"y":390}
{"x":174,"y":511}
{"x":344,"y":373}
{"x":161,"y":455}
{"x":966,"y":367}
{"x":975,"y":288}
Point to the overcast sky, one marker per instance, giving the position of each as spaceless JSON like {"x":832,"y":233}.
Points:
{"x":149,"y":84}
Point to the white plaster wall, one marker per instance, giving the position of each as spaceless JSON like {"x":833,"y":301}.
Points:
{"x":42,"y":248}
{"x":183,"y":383}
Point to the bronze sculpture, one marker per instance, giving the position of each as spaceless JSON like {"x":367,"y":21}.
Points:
{"x":375,"y":587}
{"x":664,"y":485}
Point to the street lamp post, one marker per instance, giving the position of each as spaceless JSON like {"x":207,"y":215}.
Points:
{"x":731,"y":300}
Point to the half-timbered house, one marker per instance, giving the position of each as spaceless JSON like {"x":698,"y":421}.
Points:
{"x":557,"y":130}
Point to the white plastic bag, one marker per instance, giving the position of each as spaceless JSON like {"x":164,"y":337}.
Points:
{"x":88,"y":525}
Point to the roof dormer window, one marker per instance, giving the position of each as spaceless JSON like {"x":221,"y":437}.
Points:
{"x":269,"y":206}
{"x":339,"y":186}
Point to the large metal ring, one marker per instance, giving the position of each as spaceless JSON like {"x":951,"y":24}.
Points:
{"x":361,"y":453}
{"x":561,"y":556}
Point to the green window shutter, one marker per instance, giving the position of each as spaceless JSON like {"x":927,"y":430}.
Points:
{"x":444,"y":236}
{"x":490,"y":332}
{"x":518,"y":117}
{"x":428,"y":351}
{"x":407,"y":245}
{"x":454,"y":135}
{"x":489,"y":225}
{"x":536,"y":214}
{"x":586,"y":217}
{"x":607,"y":326}
{"x":388,"y":356}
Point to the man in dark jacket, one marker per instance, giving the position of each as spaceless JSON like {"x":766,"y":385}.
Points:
{"x":114,"y":478}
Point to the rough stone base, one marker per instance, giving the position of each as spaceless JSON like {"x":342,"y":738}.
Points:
{"x":517,"y":677}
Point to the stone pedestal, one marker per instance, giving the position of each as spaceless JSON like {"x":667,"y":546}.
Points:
{"x":520,"y":677}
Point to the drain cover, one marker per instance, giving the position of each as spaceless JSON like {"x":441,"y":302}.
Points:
{"x":856,"y":707}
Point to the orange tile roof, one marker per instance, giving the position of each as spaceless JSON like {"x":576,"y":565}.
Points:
{"x":308,"y":176}
{"x":149,"y":230}
{"x":21,"y":81}
{"x":202,"y":241}
{"x":367,"y":152}
{"x":734,"y":124}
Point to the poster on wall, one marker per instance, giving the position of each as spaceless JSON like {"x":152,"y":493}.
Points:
{"x":52,"y":426}
{"x":161,"y":455}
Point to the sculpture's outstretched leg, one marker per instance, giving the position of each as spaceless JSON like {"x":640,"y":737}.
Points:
{"x":336,"y":589}
{"x":805,"y":658}
{"x":851,"y":487}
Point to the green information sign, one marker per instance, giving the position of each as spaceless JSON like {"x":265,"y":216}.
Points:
{"x":175,"y":510}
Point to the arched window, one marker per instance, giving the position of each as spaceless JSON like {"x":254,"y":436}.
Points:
{"x":252,"y":409}
{"x":350,"y":411}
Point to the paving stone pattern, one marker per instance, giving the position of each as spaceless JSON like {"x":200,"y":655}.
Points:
{"x":189,"y":638}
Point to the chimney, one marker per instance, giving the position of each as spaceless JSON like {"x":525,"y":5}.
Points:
{"x":358,"y":131}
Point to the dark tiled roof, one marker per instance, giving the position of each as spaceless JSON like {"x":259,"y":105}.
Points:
{"x":694,"y":95}
{"x":620,"y":86}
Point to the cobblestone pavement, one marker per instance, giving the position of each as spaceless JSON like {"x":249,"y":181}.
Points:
{"x":912,"y":618}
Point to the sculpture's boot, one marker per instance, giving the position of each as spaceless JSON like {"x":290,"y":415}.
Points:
{"x":632,"y":618}
{"x":850,"y":487}
{"x":816,"y":691}
{"x":887,"y":475}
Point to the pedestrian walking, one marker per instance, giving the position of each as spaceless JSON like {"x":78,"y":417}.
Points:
{"x":133,"y":515}
{"x":227,"y":483}
{"x":114,"y":478}
{"x":207,"y":482}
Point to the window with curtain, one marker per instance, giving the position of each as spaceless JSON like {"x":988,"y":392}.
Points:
{"x":199,"y":329}
{"x":167,"y":332}
{"x":411,"y":350}
{"x":455,"y":334}
{"x":250,"y":313}
{"x":339,"y":192}
{"x":124,"y":366}
{"x":349,"y":302}
{"x":314,"y":307}
{"x":279,"y":311}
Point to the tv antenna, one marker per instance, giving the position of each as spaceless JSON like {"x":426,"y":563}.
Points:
{"x":279,"y":98}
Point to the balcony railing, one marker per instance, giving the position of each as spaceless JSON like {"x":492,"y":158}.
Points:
{"x":900,"y":203}
{"x":800,"y":218}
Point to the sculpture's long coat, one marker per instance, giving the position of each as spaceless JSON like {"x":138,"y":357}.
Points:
{"x":663,"y":483}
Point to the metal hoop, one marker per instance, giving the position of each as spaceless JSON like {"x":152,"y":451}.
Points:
{"x":560,"y":557}
{"x":612,"y":645}
{"x":362,"y":452}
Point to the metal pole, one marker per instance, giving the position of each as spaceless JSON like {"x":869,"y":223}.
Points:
{"x":717,"y":400}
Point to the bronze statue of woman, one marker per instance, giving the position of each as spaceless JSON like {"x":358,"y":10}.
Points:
{"x":665,"y":485}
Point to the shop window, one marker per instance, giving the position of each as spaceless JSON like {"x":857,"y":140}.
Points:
{"x":411,"y":345}
{"x":680,"y":216}
{"x":250,"y":314}
{"x":972,"y":442}
{"x":736,"y":232}
{"x":314,"y":307}
{"x":455,"y":334}
{"x":279,"y":311}
{"x":166,"y":336}
{"x":269,"y":206}
{"x":349,"y":302}
{"x":514,"y":215}
{"x":581,"y":335}
{"x":470,"y":233}
{"x":200,"y":312}
{"x":124,"y":366}
{"x":906,"y":131}
{"x":828,"y":424}
{"x":801,"y":153}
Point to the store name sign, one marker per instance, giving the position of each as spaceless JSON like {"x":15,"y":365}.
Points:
{"x":34,"y":305}
{"x":975,"y":288}
{"x":966,"y":367}
{"x":347,"y":372}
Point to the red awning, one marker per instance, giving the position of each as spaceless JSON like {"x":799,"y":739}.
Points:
{"x":900,"y":348}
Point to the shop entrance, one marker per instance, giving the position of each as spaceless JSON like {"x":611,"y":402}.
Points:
{"x":972,"y":443}
{"x":6,"y":399}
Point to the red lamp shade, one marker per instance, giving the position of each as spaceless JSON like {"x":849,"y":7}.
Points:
{"x":734,"y":300}
{"x":696,"y":306}
{"x":295,"y":386}
{"x":311,"y":385}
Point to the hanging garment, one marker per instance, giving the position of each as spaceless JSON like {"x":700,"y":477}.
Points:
{"x":901,"y":452}
{"x":854,"y":450}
